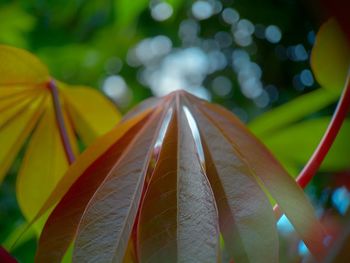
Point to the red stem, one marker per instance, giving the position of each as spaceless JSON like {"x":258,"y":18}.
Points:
{"x":326,"y":142}
{"x":60,"y":122}
{"x":6,"y":257}
{"x":322,"y":149}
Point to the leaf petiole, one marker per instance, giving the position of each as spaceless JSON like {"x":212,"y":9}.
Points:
{"x":60,"y":121}
{"x":331,"y":133}
{"x":314,"y":163}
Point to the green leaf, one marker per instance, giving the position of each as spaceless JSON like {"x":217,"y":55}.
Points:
{"x":269,"y":174}
{"x":292,"y":111}
{"x":127,"y":11}
{"x":175,"y":4}
{"x":297,"y":143}
{"x":15,"y":23}
{"x":9,"y":242}
{"x":330,"y":57}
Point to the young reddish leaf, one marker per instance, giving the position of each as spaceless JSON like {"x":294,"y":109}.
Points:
{"x":247,"y":220}
{"x":271,"y":174}
{"x":174,"y":209}
{"x":107,"y":221}
{"x":145,"y":105}
{"x":89,"y":156}
{"x":24,"y":96}
{"x":92,"y":167}
{"x":5,"y":257}
{"x":178,"y":218}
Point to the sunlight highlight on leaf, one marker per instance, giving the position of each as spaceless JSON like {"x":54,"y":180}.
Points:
{"x":183,"y":225}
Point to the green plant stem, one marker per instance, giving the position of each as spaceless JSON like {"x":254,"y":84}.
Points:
{"x":325,"y":144}
{"x":60,"y":122}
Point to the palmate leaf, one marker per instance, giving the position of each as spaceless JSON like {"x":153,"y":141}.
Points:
{"x":119,"y":208}
{"x":27,"y":111}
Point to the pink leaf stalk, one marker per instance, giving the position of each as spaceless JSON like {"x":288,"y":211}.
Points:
{"x":60,"y":122}
{"x":326,"y":142}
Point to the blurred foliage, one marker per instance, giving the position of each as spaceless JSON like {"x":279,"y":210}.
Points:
{"x":86,"y":42}
{"x":79,"y":40}
{"x":303,"y":138}
{"x":331,"y":46}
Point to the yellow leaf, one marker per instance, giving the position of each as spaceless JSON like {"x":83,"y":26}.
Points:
{"x":18,"y":66}
{"x":10,"y":91}
{"x":330,"y":57}
{"x":10,"y":113}
{"x":14,"y":132}
{"x":26,"y":107}
{"x":92,"y":114}
{"x":95,"y":150}
{"x":107,"y":182}
{"x":13,"y":102}
{"x":44,"y":164}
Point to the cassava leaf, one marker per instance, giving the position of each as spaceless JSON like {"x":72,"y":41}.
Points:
{"x":330,"y":57}
{"x":271,"y":174}
{"x":110,"y":213}
{"x":145,"y":105}
{"x":26,"y":108}
{"x":175,"y":210}
{"x":249,"y":232}
{"x":178,"y":218}
{"x":89,"y":156}
{"x":92,"y":167}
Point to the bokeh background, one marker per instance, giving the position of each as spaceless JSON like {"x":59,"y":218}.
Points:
{"x":250,"y":56}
